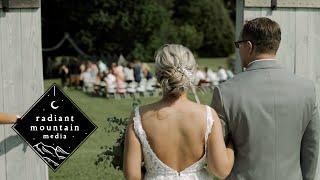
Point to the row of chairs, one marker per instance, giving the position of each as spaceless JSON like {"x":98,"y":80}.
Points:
{"x":143,"y":89}
{"x":146,"y":88}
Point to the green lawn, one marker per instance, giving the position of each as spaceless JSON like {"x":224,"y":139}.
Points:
{"x":80,"y":166}
{"x":212,"y":62}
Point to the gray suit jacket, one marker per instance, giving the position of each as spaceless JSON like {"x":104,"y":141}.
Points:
{"x":271,"y":116}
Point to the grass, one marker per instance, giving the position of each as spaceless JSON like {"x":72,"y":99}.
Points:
{"x":213,"y":63}
{"x":80,"y":166}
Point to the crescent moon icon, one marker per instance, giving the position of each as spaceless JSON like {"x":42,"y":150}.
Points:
{"x":52,"y":106}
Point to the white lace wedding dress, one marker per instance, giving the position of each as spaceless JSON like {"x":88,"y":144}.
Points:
{"x":157,"y":170}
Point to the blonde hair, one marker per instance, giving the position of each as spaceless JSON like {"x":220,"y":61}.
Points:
{"x":175,"y":68}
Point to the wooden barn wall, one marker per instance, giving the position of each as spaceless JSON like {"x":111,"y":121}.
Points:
{"x":21,"y":84}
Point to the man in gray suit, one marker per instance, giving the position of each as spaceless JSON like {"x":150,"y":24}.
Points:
{"x":269,"y":114}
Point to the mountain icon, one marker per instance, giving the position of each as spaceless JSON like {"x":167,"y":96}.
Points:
{"x":52,"y":155}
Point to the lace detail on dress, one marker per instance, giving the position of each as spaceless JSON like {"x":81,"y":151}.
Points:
{"x":156,"y":169}
{"x":209,"y":123}
{"x":152,"y":164}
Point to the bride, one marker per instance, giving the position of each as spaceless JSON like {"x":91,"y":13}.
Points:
{"x":176,"y":138}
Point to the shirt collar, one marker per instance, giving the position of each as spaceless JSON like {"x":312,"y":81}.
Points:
{"x":260,"y":60}
{"x":263,"y":64}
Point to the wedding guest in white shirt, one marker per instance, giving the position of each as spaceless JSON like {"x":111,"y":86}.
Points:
{"x":129,"y":73}
{"x":222,"y":74}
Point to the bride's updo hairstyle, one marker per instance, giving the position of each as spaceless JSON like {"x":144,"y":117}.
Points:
{"x":175,"y":68}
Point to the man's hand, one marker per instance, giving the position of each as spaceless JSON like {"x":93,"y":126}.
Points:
{"x":8,"y":119}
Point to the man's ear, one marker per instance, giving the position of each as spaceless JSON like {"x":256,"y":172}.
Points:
{"x":250,"y":46}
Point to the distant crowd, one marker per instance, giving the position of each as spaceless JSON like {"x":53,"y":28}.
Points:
{"x":127,"y":78}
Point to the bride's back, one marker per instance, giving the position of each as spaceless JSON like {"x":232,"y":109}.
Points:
{"x":170,"y":135}
{"x":175,"y":126}
{"x":176,"y":132}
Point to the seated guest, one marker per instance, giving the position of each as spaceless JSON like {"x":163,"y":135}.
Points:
{"x":222,"y":74}
{"x":110,"y":80}
{"x":102,"y":66}
{"x":146,"y":71}
{"x":87,"y":79}
{"x":64,"y":74}
{"x":118,"y":73}
{"x":92,"y":68}
{"x":82,"y":69}
{"x":97,"y":83}
{"x":137,"y":71}
{"x":129,"y":73}
{"x":230,"y":74}
{"x":212,"y":77}
{"x":200,"y":77}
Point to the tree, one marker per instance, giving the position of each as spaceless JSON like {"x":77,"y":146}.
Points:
{"x":189,"y":36}
{"x":211,"y":18}
{"x":133,"y":28}
{"x":137,"y":28}
{"x":231,"y":6}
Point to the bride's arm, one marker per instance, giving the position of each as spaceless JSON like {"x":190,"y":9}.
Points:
{"x":132,"y":154}
{"x":220,"y":157}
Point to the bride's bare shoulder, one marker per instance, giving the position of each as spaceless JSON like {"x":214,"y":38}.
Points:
{"x":143,"y":109}
{"x":192,"y":107}
{"x":203,"y":106}
{"x":147,"y":109}
{"x":197,"y":106}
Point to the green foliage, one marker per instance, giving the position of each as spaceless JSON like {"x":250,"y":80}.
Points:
{"x":113,"y":156}
{"x":133,"y":28}
{"x":190,"y":37}
{"x":210,"y":18}
{"x":137,"y":28}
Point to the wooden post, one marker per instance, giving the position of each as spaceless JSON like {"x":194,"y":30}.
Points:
{"x":300,"y":26}
{"x":21,"y":84}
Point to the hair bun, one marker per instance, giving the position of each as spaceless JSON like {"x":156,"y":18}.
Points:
{"x":175,"y":66}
